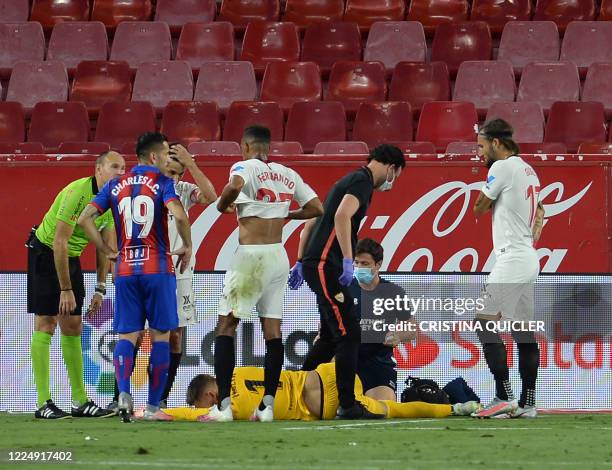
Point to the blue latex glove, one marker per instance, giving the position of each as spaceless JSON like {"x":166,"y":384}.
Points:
{"x":296,"y":276}
{"x":347,"y":272}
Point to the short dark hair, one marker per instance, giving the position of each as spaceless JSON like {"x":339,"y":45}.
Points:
{"x":371,"y":247}
{"x":258,"y":134}
{"x":148,"y":142}
{"x":197,"y":385}
{"x":501,"y":130}
{"x":388,"y":155}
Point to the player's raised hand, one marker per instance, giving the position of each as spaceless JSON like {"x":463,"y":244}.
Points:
{"x":181,"y":154}
{"x":296,"y":276}
{"x":184,"y":256}
{"x":347,"y":272}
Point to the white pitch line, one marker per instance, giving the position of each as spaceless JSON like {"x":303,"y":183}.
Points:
{"x":356,"y":425}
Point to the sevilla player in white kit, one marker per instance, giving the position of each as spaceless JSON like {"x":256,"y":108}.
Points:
{"x":260,"y":193}
{"x":512,"y":191}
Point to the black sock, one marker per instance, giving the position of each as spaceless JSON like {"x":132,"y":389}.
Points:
{"x":175,"y":360}
{"x":529,"y":362}
{"x":347,"y":353}
{"x":116,"y":390}
{"x":495,"y":354}
{"x":273,"y":364}
{"x":225,"y":361}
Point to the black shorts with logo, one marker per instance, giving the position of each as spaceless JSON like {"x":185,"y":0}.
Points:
{"x":43,"y":284}
{"x":375,"y":373}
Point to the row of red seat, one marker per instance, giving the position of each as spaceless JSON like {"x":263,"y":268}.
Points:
{"x":352,"y":83}
{"x":420,"y":151}
{"x":584,"y":43}
{"x":308,"y":123}
{"x":305,"y":12}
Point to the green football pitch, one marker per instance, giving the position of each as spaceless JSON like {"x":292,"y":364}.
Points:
{"x":552,"y":441}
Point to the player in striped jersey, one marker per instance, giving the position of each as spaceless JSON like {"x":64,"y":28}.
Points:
{"x":145,"y":282}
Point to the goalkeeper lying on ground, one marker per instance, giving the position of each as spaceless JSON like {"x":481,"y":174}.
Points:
{"x":301,"y":395}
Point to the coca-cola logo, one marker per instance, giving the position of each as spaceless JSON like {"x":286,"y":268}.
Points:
{"x":452,"y":202}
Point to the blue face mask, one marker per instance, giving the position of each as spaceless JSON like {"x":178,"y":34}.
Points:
{"x":364,"y":275}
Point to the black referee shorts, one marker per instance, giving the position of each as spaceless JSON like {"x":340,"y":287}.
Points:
{"x":374,"y":373}
{"x":339,"y":315}
{"x":43,"y":284}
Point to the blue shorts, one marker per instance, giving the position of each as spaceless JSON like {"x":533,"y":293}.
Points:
{"x":145,"y":297}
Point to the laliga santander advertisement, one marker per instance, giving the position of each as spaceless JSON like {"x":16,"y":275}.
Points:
{"x":425,"y":225}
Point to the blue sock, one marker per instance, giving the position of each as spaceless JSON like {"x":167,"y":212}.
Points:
{"x":124,"y":364}
{"x":159,"y":362}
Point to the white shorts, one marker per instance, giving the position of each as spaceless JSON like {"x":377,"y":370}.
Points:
{"x":257,"y":277}
{"x":185,"y":302}
{"x":510,"y":286}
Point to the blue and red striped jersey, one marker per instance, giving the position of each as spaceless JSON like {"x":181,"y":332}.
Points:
{"x":138,"y":202}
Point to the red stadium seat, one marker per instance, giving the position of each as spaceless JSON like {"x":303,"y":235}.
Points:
{"x":378,"y":123}
{"x":587,"y":42}
{"x":525,"y":117}
{"x":462,"y":148}
{"x":563,"y":12}
{"x":573,"y":123}
{"x":286,"y":148}
{"x":419,"y":83}
{"x":242,"y":12}
{"x":204,"y":42}
{"x":270,"y":42}
{"x":340,"y":148}
{"x":594,"y":149}
{"x":431,"y":13}
{"x":83,"y":148}
{"x":243,"y":114}
{"x":597,"y":86}
{"x":191,"y":121}
{"x":12,"y":122}
{"x":353,"y":83}
{"x":23,"y":148}
{"x":498,"y":12}
{"x":327,"y":43}
{"x":310,"y":123}
{"x":290,"y":82}
{"x":409,"y":148}
{"x":391,"y":42}
{"x":230,"y":149}
{"x":20,"y":41}
{"x":454,"y":43}
{"x":96,"y":82}
{"x":14,"y":11}
{"x":32,"y":82}
{"x":50,"y":12}
{"x":162,"y":82}
{"x":113,"y":12}
{"x":306,"y":12}
{"x":367,"y":12}
{"x":119,"y":123}
{"x":53,"y":123}
{"x":139,"y":41}
{"x":75,"y":41}
{"x":484,"y":83}
{"x":225,"y":82}
{"x":177,"y":13}
{"x":547,"y":82}
{"x":446,"y":122}
{"x":605,"y":13}
{"x":543,"y":148}
{"x":523,"y":42}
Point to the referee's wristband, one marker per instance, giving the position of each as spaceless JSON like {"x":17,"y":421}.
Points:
{"x":66,"y":290}
{"x":101,"y":288}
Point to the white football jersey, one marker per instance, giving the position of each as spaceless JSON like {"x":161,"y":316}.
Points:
{"x":515,"y":188}
{"x":188,"y":194}
{"x":268,"y":189}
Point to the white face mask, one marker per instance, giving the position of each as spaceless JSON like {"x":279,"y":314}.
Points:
{"x":387,"y":185}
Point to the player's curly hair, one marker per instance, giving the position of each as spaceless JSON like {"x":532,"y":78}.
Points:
{"x":502,"y":131}
{"x":388,"y":155}
{"x":198,"y":385}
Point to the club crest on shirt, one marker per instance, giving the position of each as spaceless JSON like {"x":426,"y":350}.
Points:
{"x":339,"y":297}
